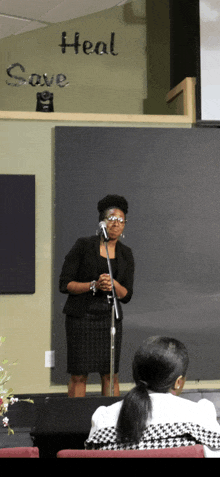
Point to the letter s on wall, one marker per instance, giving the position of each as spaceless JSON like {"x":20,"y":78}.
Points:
{"x":21,"y":80}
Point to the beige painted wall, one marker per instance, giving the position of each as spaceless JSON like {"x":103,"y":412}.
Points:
{"x":25,"y":319}
{"x":97,"y":83}
{"x":135,"y":81}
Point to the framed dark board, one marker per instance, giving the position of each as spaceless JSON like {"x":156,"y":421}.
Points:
{"x":17,"y":237}
{"x":171,"y":179}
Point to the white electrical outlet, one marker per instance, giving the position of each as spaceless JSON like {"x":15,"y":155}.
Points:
{"x":49,"y":359}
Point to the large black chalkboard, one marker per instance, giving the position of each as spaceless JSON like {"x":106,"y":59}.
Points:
{"x":171,"y":179}
{"x":17,"y":237}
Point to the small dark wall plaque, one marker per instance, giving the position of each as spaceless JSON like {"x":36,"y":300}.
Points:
{"x":17,"y":237}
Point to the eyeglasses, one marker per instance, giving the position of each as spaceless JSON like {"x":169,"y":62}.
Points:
{"x":113,"y":218}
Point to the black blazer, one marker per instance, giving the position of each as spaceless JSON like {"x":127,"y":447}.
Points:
{"x":82,"y":264}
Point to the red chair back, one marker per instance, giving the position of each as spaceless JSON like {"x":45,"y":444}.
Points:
{"x":188,"y":452}
{"x":24,"y":452}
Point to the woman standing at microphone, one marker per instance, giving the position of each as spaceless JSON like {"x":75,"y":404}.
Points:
{"x":85,"y":278}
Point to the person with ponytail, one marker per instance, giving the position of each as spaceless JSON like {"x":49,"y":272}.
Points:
{"x":152,"y":415}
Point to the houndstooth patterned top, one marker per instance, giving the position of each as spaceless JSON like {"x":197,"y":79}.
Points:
{"x":158,"y":436}
{"x":174,"y":422}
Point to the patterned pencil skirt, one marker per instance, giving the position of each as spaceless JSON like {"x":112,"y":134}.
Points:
{"x":88,"y":342}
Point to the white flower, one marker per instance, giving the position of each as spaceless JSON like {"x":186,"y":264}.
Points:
{"x":13,"y":400}
{"x":5,"y":421}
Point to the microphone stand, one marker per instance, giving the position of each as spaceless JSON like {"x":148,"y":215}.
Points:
{"x":113,"y":329}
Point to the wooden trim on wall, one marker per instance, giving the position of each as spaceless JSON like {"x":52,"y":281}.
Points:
{"x":89,"y":117}
{"x":211,"y":385}
{"x":187,"y":89}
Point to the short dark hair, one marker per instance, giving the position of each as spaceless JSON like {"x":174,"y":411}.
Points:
{"x":112,"y":201}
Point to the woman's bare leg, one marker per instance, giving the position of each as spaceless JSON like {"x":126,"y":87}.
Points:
{"x":77,"y":386}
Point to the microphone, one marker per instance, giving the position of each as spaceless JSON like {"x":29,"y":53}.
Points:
{"x":102,"y":226}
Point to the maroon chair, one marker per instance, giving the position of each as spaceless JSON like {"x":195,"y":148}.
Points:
{"x":24,"y":452}
{"x":175,"y":452}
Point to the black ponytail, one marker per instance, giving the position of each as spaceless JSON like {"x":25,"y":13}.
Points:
{"x":156,"y":366}
{"x":134,"y":413}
